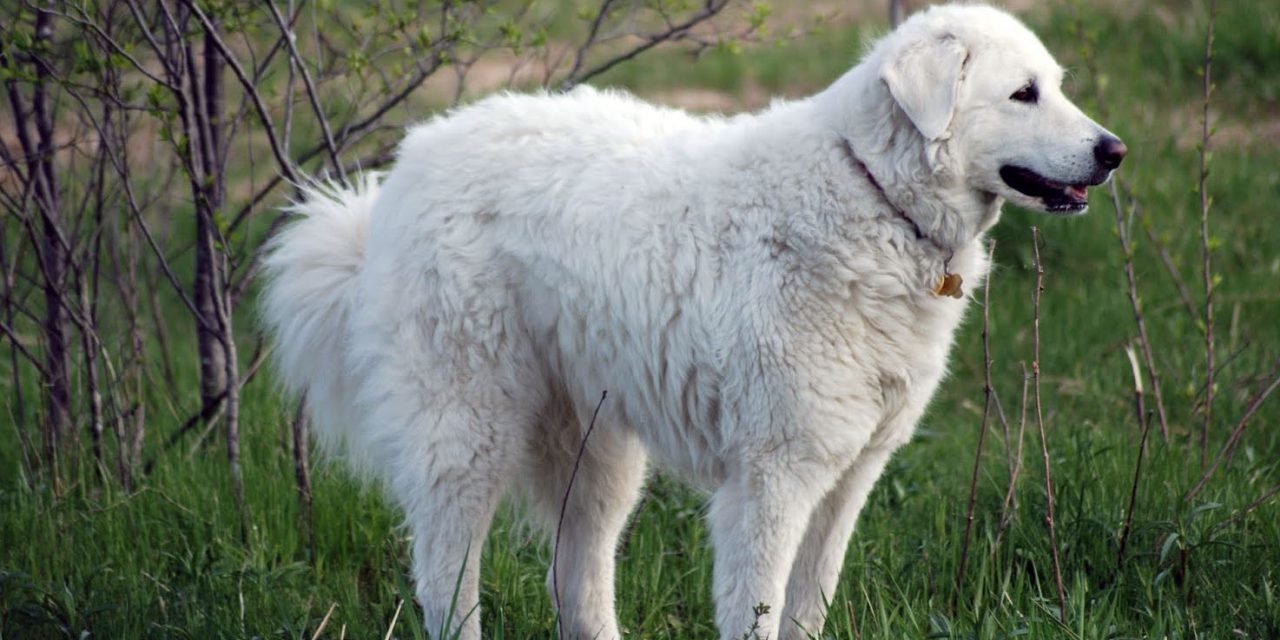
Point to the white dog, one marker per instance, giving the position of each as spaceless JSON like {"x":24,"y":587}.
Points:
{"x":768,"y":300}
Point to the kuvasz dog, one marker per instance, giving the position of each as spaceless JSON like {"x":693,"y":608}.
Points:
{"x":768,"y":301}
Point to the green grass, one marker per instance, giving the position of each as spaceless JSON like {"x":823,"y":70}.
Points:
{"x":168,"y":561}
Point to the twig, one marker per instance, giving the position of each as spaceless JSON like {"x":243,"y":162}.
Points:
{"x":564,"y":505}
{"x":302,"y":474}
{"x":982,"y":432}
{"x":251,"y":90}
{"x":1184,"y":294}
{"x":394,"y":618}
{"x":1250,"y":507}
{"x":1229,"y":448}
{"x":1006,"y":435}
{"x":329,"y":144}
{"x":1044,"y":445}
{"x":1145,"y":421}
{"x":581,"y":55}
{"x":19,"y":410}
{"x":675,"y":32}
{"x":1205,"y":134}
{"x":1122,"y":231}
{"x":1117,"y":186}
{"x":210,"y":407}
{"x":19,"y":348}
{"x":853,"y":622}
{"x":324,"y":622}
{"x":345,"y":137}
{"x":1010,"y":505}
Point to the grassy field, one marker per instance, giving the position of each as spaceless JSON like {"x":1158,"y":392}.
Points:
{"x":168,"y":560}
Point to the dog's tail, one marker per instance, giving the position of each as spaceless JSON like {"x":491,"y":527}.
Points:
{"x":312,"y":267}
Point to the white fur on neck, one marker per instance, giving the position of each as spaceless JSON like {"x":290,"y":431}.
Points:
{"x":921,"y":178}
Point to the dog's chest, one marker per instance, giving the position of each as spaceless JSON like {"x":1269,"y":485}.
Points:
{"x":911,"y":363}
{"x":884,"y":360}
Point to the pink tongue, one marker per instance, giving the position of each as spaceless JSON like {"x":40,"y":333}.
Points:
{"x":1078,"y":192}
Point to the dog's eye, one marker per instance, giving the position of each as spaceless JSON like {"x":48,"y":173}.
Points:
{"x":1029,"y":94}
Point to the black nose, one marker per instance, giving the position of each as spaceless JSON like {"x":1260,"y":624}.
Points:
{"x":1110,"y":151}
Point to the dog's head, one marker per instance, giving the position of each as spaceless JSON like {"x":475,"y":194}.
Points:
{"x":977,"y":81}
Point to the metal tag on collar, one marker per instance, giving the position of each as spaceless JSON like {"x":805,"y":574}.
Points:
{"x":949,"y":286}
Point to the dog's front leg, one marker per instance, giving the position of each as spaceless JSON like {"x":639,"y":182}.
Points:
{"x":817,"y":567}
{"x":758,"y":518}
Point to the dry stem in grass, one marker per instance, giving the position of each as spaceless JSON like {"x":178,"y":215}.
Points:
{"x":1044,"y":444}
{"x":1270,"y":493}
{"x":1228,"y":449}
{"x":324,"y":622}
{"x":394,"y":618}
{"x":853,"y":623}
{"x":982,"y":432}
{"x":1010,"y":506}
{"x":1205,"y":201}
{"x":302,"y":474}
{"x":1145,"y":422}
{"x":1122,"y":230}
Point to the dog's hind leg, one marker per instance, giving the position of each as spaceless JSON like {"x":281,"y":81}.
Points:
{"x":610,"y":474}
{"x":447,"y":451}
{"x":816,"y":571}
{"x":449,"y":504}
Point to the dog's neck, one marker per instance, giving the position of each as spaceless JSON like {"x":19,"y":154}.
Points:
{"x":860,"y":168}
{"x":914,"y":176}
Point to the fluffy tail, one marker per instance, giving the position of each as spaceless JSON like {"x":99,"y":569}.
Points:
{"x":311,"y":268}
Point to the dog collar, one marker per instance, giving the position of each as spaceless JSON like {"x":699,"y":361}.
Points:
{"x":948,"y":283}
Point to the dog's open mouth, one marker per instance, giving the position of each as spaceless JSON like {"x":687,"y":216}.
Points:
{"x":1057,"y":196}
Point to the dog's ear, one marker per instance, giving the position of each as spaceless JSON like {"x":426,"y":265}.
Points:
{"x":923,"y":78}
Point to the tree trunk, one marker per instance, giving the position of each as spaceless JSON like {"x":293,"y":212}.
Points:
{"x":207,"y":102}
{"x":53,"y":254}
{"x":302,"y":474}
{"x":895,"y":12}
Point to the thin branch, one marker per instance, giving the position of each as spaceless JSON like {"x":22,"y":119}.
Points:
{"x":1122,"y":231}
{"x":676,"y":32}
{"x":1229,"y":448}
{"x":895,"y":13}
{"x":1184,"y":294}
{"x":1251,"y":507}
{"x":345,"y":137}
{"x":394,"y":617}
{"x":1145,"y":421}
{"x":210,"y":408}
{"x":1205,"y":249}
{"x":56,"y":255}
{"x":1010,"y":506}
{"x":1044,"y":444}
{"x":18,"y":346}
{"x":329,"y":144}
{"x":982,"y":431}
{"x":86,"y":24}
{"x":264,"y":116}
{"x":302,"y":474}
{"x":581,"y":55}
{"x":324,"y":622}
